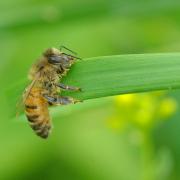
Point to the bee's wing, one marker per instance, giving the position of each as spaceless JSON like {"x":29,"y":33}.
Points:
{"x":19,"y":106}
{"x":20,"y":103}
{"x":28,"y":89}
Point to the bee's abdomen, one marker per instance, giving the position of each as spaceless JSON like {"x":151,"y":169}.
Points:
{"x":37,"y":113}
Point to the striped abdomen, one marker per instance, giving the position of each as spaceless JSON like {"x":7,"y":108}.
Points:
{"x":36,"y":109}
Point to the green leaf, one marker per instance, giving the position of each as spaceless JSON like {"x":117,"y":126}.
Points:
{"x":113,"y":75}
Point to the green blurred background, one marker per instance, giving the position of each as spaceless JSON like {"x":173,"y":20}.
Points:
{"x":126,"y":137}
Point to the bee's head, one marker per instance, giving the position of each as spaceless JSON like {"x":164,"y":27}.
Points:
{"x":56,"y":57}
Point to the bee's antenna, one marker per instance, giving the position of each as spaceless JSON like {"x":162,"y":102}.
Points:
{"x":63,"y":47}
{"x":73,"y":56}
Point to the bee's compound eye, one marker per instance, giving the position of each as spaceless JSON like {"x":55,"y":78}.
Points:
{"x":54,"y":59}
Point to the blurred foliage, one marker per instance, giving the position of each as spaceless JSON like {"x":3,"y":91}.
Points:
{"x":89,"y":140}
{"x":143,"y":110}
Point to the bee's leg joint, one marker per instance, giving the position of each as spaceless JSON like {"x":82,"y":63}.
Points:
{"x":69,"y":88}
{"x":61,"y":100}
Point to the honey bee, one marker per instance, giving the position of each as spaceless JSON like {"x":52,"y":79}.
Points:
{"x":45,"y":87}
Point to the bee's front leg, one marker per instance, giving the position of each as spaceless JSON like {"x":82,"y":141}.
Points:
{"x":69,"y":88}
{"x":61,"y":100}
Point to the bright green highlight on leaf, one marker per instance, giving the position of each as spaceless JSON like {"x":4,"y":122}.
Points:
{"x":121,"y":74}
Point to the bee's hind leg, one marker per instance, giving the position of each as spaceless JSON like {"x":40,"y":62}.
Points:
{"x":61,"y":100}
{"x":69,"y":88}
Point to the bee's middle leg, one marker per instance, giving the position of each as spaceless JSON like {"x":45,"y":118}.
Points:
{"x":66,"y":87}
{"x":61,"y":100}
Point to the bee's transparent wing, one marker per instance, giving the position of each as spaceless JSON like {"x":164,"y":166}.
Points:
{"x":25,"y":94}
{"x":19,"y":106}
